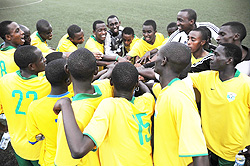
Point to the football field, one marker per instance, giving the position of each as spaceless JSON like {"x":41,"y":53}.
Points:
{"x":62,"y":13}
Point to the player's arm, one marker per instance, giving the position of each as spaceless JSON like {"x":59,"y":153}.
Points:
{"x":79,"y":144}
{"x":147,"y":56}
{"x":146,"y":72}
{"x":200,"y":160}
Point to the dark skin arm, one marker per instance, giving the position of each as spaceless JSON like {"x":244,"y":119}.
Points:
{"x":79,"y":144}
{"x":146,"y":72}
{"x":200,"y":161}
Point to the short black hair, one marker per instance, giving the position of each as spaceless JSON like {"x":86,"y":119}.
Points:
{"x":112,"y":16}
{"x":209,"y":34}
{"x":204,"y":35}
{"x":4,"y":30}
{"x":128,"y":31}
{"x":172,"y":25}
{"x":72,"y":29}
{"x":41,"y":25}
{"x":25,"y":55}
{"x":97,"y":22}
{"x":55,"y":73}
{"x":82,"y":64}
{"x":191,"y":14}
{"x":237,"y":27}
{"x":53,"y":56}
{"x":232,"y":50}
{"x":124,"y":76}
{"x":178,"y":54}
{"x":150,"y":22}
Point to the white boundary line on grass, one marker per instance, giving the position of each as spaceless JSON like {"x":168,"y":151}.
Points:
{"x":3,"y":8}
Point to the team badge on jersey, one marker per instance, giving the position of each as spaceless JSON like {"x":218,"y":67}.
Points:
{"x":231,"y":96}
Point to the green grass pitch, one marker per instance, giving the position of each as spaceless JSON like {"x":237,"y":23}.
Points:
{"x":62,"y":13}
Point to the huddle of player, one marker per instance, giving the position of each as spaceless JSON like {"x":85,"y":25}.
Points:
{"x":86,"y":109}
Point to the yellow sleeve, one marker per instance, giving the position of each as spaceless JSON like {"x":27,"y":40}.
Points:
{"x":99,"y":124}
{"x":156,"y":89}
{"x":135,"y":50}
{"x":32,"y":130}
{"x":195,"y":77}
{"x":192,"y":141}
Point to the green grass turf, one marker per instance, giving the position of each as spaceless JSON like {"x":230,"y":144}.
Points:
{"x":132,"y":13}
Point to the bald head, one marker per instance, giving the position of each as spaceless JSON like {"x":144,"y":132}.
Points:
{"x":174,"y":56}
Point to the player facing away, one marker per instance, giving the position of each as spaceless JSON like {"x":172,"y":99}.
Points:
{"x":41,"y":120}
{"x":123,"y":112}
{"x":178,"y":138}
{"x":81,"y":65}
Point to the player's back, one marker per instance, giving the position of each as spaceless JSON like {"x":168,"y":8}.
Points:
{"x":84,"y":106}
{"x":42,"y":120}
{"x":16,"y":93}
{"x":124,"y":130}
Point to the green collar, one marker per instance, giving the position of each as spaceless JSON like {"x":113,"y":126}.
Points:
{"x":172,"y":81}
{"x":37,"y":34}
{"x":93,"y":37}
{"x":132,"y":100}
{"x":6,"y":48}
{"x":18,"y":72}
{"x":81,"y":96}
{"x":237,"y":73}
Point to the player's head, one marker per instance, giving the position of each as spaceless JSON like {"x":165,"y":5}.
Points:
{"x":231,"y":32}
{"x":127,"y":35}
{"x":26,"y":31}
{"x":186,"y":19}
{"x":53,"y":56}
{"x":113,"y":24}
{"x":149,"y":30}
{"x":44,"y":29}
{"x":29,"y":57}
{"x":172,"y":56}
{"x":76,"y":34}
{"x":225,"y":54}
{"x":100,"y":31}
{"x":11,"y":33}
{"x":197,"y":38}
{"x":55,"y":72}
{"x":124,"y":77}
{"x":171,"y":28}
{"x":82,"y":64}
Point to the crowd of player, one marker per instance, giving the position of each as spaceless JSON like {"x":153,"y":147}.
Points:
{"x":123,"y":100}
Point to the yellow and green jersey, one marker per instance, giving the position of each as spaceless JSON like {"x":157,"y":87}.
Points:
{"x":84,"y":106}
{"x":16,"y":94}
{"x":37,"y":41}
{"x":121,"y":130}
{"x":141,"y":47}
{"x":163,"y":43}
{"x":65,"y":45}
{"x":94,"y":46}
{"x":225,"y":109}
{"x":128,"y":48}
{"x":7,"y":63}
{"x":177,"y":128}
{"x":41,"y":119}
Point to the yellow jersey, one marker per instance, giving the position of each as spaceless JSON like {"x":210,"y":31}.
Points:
{"x":225,"y":114}
{"x":65,"y":45}
{"x":177,"y":128}
{"x":16,"y":94}
{"x":94,"y":46}
{"x":7,"y":63}
{"x":141,"y":47}
{"x":121,"y":130}
{"x":37,"y":41}
{"x":41,"y":119}
{"x":84,"y":106}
